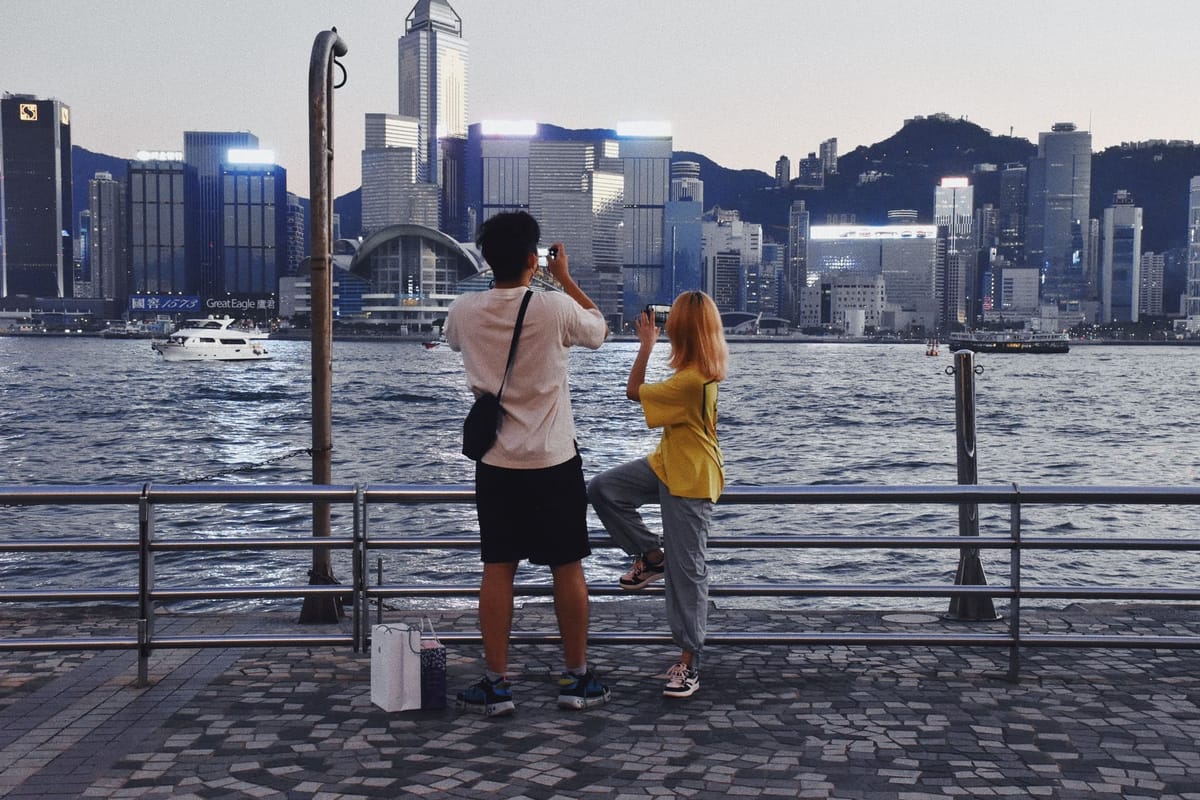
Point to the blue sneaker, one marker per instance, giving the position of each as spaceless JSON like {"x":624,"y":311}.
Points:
{"x":581,"y":691}
{"x":487,"y":698}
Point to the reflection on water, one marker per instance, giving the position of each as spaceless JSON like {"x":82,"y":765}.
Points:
{"x":110,"y":412}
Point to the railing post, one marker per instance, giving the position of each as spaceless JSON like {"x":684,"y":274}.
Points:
{"x":327,"y":46}
{"x":1014,"y":580}
{"x":970,"y":568}
{"x":145,"y":585}
{"x":359,"y":610}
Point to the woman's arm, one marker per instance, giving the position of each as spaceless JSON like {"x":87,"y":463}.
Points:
{"x":647,"y":333}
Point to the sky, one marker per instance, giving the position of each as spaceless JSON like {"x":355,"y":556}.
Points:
{"x":740,"y":82}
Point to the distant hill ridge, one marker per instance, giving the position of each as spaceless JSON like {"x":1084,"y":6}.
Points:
{"x":911,"y":162}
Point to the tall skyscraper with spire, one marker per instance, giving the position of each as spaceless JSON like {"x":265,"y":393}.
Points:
{"x":433,"y":81}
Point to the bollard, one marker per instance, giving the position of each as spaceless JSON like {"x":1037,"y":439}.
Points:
{"x":970,"y":568}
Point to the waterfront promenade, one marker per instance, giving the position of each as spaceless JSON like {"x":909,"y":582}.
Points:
{"x":818,"y":722}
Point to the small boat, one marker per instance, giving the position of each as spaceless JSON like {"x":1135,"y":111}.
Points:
{"x":931,"y":348}
{"x":1011,"y":342}
{"x":433,"y":344}
{"x":213,"y":339}
{"x":121,"y":329}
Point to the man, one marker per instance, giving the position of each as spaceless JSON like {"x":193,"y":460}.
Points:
{"x":530,"y":494}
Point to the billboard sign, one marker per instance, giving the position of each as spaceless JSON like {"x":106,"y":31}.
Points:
{"x":164,"y":303}
{"x":242,"y":304}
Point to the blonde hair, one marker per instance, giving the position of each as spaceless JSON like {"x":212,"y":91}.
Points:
{"x":697,"y":336}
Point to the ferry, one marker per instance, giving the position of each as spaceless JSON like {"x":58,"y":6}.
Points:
{"x":1010,"y":342}
{"x":213,"y":339}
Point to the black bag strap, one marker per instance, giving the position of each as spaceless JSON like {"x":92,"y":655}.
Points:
{"x":512,"y":348}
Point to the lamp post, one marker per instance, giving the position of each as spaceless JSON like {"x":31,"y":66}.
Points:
{"x":327,"y":46}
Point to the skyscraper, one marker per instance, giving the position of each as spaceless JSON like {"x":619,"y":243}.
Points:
{"x":1120,"y":279}
{"x":796,"y":271}
{"x":1150,"y":295}
{"x":204,"y":153}
{"x":783,"y":172}
{"x":572,"y":183}
{"x":433,"y":80}
{"x":254,"y":237}
{"x":1060,"y":186}
{"x":391,"y":191}
{"x":295,"y":235}
{"x":732,"y":251}
{"x":810,"y":173}
{"x":157,"y":248}
{"x":1192,"y":293}
{"x":36,"y":215}
{"x":829,"y":156}
{"x":682,"y":234}
{"x":108,"y":241}
{"x":645,"y":153}
{"x":953,"y":214}
{"x":1013,"y":209}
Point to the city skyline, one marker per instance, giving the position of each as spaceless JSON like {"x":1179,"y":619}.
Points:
{"x":741,"y":85}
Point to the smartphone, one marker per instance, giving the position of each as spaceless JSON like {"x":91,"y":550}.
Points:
{"x":658,"y":314}
{"x":542,"y":252}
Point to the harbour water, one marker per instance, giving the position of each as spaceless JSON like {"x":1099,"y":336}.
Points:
{"x":91,"y":411}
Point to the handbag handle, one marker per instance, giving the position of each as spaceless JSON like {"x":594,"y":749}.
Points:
{"x":512,"y":348}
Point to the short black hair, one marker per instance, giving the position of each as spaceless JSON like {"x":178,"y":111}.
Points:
{"x":506,"y":240}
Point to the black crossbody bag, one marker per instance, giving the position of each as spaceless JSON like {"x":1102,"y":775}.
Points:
{"x":486,"y":415}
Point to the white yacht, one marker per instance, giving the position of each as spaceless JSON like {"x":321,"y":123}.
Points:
{"x":213,"y":339}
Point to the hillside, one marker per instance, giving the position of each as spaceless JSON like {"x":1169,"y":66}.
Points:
{"x":910,"y":162}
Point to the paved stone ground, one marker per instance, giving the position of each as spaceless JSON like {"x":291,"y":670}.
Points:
{"x":819,"y":722}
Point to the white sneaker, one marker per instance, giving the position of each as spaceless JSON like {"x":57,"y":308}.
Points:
{"x":682,"y":681}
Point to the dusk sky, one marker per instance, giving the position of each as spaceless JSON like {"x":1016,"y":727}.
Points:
{"x":740,"y":82}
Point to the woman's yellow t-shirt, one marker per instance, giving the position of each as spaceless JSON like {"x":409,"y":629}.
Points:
{"x":688,"y":456}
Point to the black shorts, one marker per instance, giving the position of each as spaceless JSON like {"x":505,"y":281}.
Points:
{"x":535,"y":514}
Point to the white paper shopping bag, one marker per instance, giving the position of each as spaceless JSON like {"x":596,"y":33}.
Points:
{"x":396,"y":667}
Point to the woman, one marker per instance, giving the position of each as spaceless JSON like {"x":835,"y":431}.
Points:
{"x":684,"y":475}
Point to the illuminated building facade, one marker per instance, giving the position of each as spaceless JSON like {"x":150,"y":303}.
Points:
{"x":906,"y":256}
{"x":953,"y":213}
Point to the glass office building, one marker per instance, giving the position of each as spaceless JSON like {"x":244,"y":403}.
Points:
{"x":254,"y":228}
{"x":36,"y":213}
{"x":156,"y":223}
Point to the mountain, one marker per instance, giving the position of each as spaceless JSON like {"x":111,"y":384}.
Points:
{"x":907,"y":165}
{"x":84,"y":166}
{"x":1157,"y":176}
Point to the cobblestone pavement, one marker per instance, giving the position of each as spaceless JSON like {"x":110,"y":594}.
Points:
{"x":820,"y":722}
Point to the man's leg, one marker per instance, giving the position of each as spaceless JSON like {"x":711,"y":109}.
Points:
{"x":571,"y":608}
{"x":496,"y":613}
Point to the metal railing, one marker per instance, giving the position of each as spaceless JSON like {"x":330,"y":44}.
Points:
{"x":362,"y":499}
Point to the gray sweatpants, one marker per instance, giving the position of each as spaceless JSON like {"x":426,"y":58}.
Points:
{"x":617,"y":495}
